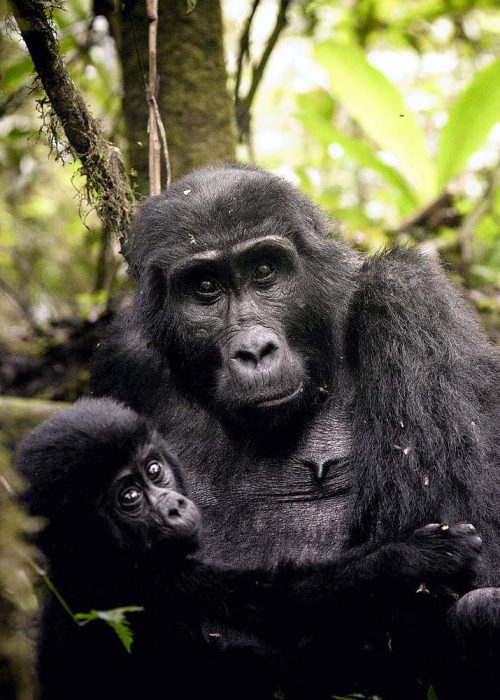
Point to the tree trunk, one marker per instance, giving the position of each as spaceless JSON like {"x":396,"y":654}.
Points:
{"x":194,"y":103}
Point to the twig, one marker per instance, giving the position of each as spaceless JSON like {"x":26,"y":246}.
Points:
{"x":155,"y":124}
{"x":258,"y":71}
{"x":23,"y":305}
{"x":243,"y":105}
{"x":164,"y":142}
{"x":484,"y":205}
{"x":152,"y":91}
{"x":244,"y":44}
{"x":440,"y":212}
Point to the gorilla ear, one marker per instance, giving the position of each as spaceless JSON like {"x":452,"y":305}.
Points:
{"x":153,"y":285}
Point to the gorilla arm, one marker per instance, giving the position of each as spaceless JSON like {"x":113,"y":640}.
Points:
{"x":426,"y":391}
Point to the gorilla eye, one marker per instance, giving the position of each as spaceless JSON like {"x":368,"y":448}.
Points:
{"x":130,"y":497}
{"x":263,"y":272}
{"x":207,"y":288}
{"x":153,"y":470}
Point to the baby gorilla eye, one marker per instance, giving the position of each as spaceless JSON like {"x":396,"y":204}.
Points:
{"x":153,"y":470}
{"x":130,"y":497}
{"x":263,"y":272}
{"x":207,"y":288}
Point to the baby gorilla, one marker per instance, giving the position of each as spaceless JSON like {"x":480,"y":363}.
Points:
{"x":118,"y":530}
{"x":121,"y":530}
{"x":146,"y":505}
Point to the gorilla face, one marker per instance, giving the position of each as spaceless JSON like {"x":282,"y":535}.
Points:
{"x":233,"y":305}
{"x":146,"y":507}
{"x":242,"y":292}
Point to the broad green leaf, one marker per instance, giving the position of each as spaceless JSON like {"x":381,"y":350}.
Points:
{"x":316,"y":118}
{"x":116,"y":619}
{"x":378,"y":107}
{"x":475,"y":111}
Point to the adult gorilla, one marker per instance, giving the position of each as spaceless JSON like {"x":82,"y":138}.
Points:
{"x":318,"y":399}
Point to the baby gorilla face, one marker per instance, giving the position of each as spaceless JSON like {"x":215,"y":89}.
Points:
{"x":147,"y":507}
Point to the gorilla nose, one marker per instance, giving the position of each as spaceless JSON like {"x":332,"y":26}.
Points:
{"x":174,"y":505}
{"x":255,"y":347}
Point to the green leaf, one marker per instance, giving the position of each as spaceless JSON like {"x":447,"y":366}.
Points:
{"x":431,"y":694}
{"x":316,"y":118}
{"x":17,"y":74}
{"x":116,"y":619}
{"x":474,"y":113}
{"x":191,"y":4}
{"x":378,"y":107}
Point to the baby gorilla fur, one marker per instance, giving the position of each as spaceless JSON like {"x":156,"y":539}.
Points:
{"x":120,"y":530}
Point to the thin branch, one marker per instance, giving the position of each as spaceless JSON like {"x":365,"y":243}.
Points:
{"x":14,"y":101}
{"x":258,"y":72}
{"x":155,"y":124}
{"x":23,"y":306}
{"x":163,"y":135}
{"x":484,"y":205}
{"x":243,"y":105}
{"x":244,"y":50}
{"x":107,"y":186}
{"x":154,"y":140}
{"x":440,"y":212}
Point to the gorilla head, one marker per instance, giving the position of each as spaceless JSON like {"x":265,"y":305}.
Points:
{"x":241,"y":291}
{"x":106,"y":482}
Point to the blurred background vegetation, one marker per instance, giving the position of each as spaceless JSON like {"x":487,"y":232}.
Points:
{"x":385,"y":112}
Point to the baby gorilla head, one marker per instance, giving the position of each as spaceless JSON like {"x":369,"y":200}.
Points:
{"x":102,"y":477}
{"x":145,"y":503}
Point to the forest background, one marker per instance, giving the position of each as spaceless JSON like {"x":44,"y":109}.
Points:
{"x":385,"y":112}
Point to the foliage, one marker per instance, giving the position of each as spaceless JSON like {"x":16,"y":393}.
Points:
{"x":471,"y":118}
{"x":327,"y":115}
{"x":17,"y":602}
{"x":378,"y":107}
{"x":116,"y":619}
{"x":396,"y":104}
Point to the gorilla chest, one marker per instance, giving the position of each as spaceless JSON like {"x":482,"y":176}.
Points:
{"x":293,"y":505}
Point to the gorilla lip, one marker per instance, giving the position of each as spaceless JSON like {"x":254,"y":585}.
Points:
{"x":278,"y":401}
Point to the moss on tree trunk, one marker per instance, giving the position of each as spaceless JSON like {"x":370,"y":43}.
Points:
{"x":194,"y":103}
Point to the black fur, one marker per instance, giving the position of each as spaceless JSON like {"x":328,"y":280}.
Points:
{"x":397,"y":423}
{"x":228,"y":623}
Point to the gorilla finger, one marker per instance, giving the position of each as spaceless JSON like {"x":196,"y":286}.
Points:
{"x":466,"y":528}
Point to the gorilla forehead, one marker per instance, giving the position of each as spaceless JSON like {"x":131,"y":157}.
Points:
{"x":214,"y":208}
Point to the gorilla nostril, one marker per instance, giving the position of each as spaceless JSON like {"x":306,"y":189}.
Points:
{"x":251,"y":358}
{"x":247,"y":358}
{"x":253,"y":347}
{"x":176,"y":506}
{"x":268,"y":349}
{"x":181,"y":503}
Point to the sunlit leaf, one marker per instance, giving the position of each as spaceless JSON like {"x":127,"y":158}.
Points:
{"x":116,"y":619}
{"x":472,"y":116}
{"x":378,"y":107}
{"x":315,"y":116}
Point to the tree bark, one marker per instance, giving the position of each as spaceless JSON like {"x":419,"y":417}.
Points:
{"x":106,"y":182}
{"x":193,"y":99}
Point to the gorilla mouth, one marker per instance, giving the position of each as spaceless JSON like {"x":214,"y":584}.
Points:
{"x":280,"y":399}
